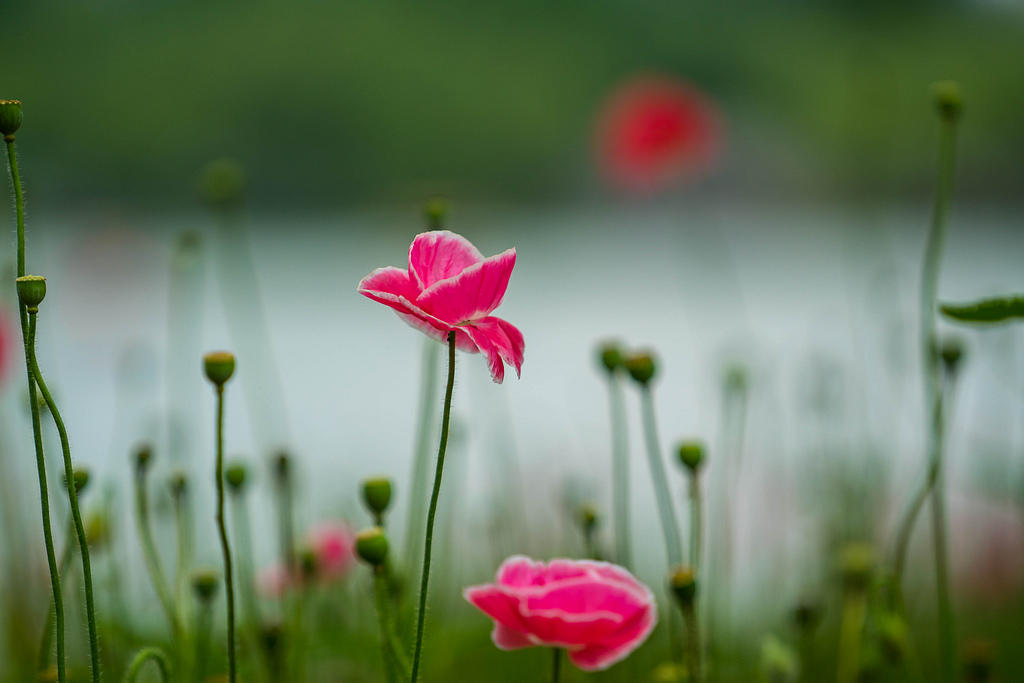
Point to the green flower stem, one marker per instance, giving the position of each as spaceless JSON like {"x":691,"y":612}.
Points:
{"x":182,"y":520}
{"x":396,"y":664}
{"x":154,"y":654}
{"x":229,"y":584}
{"x":76,"y":513}
{"x":932,"y":482}
{"x":204,"y":621}
{"x":429,"y":538}
{"x":46,"y":642}
{"x":696,"y":521}
{"x":620,"y":469}
{"x":693,"y":649}
{"x":659,"y":478}
{"x":851,"y":629}
{"x":421,"y":459}
{"x":240,"y":519}
{"x":149,"y":552}
{"x":37,"y":433}
{"x":556,"y":664}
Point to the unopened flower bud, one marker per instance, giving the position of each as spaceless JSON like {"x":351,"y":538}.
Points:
{"x":377,"y":494}
{"x":31,"y":291}
{"x":143,"y":455}
{"x":948,"y":99}
{"x":588,"y":516}
{"x":97,"y":528}
{"x":372,"y":546}
{"x":282,"y":467}
{"x":611,"y":356}
{"x":235,"y":475}
{"x":205,"y":583}
{"x":952,"y":353}
{"x":219,"y":366}
{"x":223,"y":183}
{"x":691,"y":454}
{"x":683,"y":583}
{"x":81,"y":477}
{"x":435,"y":210}
{"x":977,"y":656}
{"x":736,"y":378}
{"x":10,"y":117}
{"x":857,"y":564}
{"x":641,"y":366}
{"x":178,"y":483}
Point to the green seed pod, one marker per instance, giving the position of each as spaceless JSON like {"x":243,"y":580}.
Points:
{"x":10,"y":117}
{"x":219,"y":366}
{"x":81,"y":476}
{"x":683,"y":583}
{"x":949,"y":100}
{"x":372,"y":546}
{"x":610,"y":356}
{"x":235,"y":475}
{"x":143,"y":455}
{"x":205,"y":583}
{"x":435,"y":210}
{"x":857,"y":565}
{"x":691,"y":454}
{"x":377,"y":494}
{"x":641,"y":366}
{"x":31,"y":291}
{"x":222,"y":183}
{"x":588,"y":516}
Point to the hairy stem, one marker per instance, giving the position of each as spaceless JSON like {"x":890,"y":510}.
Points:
{"x":229,"y":584}
{"x":149,"y":654}
{"x":46,"y":641}
{"x":395,"y":661}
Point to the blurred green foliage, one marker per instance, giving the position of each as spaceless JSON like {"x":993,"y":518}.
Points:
{"x":328,"y":103}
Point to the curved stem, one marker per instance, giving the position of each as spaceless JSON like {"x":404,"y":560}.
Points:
{"x":620,"y":470}
{"x":149,"y":553}
{"x":229,"y":584}
{"x":425,"y":574}
{"x":37,"y":433}
{"x":65,"y":563}
{"x":154,"y":654}
{"x":76,"y":513}
{"x":669,"y":526}
{"x":556,"y":664}
{"x":395,"y":661}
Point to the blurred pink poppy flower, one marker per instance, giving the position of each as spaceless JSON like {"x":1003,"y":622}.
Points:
{"x":450,"y":286}
{"x":332,"y":544}
{"x":656,"y":130}
{"x":597,"y":611}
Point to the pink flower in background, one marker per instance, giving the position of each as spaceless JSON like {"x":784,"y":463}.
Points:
{"x":450,"y":286}
{"x":6,"y":345}
{"x":332,"y":544}
{"x":597,"y":611}
{"x":655,"y":130}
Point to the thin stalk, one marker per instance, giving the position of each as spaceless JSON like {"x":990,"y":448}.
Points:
{"x":693,"y":649}
{"x":421,"y":458}
{"x":45,"y":642}
{"x":229,"y":584}
{"x":396,"y":664}
{"x":184,"y":554}
{"x":153,"y":654}
{"x":620,"y":469}
{"x":240,"y":518}
{"x":556,"y":664}
{"x":850,"y":632}
{"x":76,"y":513}
{"x":149,"y":552}
{"x":429,"y":538}
{"x":37,"y":432}
{"x":669,"y":526}
{"x":696,"y":521}
{"x":203,"y":626}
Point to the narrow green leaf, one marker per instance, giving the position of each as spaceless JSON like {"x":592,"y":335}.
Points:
{"x":986,"y":311}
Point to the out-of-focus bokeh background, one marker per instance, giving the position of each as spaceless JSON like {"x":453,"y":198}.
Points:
{"x":793,"y":254}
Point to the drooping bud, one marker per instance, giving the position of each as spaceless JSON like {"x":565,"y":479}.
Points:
{"x":219,"y":366}
{"x":435,"y":210}
{"x":235,"y":476}
{"x":610,"y":355}
{"x":857,"y":564}
{"x":691,"y":454}
{"x":683,"y":583}
{"x":222,"y":183}
{"x":949,"y":100}
{"x":977,"y":656}
{"x":31,"y":291}
{"x":143,"y":455}
{"x":205,"y":583}
{"x":377,"y":494}
{"x":10,"y":117}
{"x":641,"y":366}
{"x":372,"y":546}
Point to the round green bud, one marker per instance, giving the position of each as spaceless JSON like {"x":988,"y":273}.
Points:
{"x":435,"y":210}
{"x":235,"y":475}
{"x":219,"y":366}
{"x":588,"y":516}
{"x":10,"y":117}
{"x":205,"y":583}
{"x":977,"y":656}
{"x":377,"y":494}
{"x":81,"y":476}
{"x":683,"y":582}
{"x":97,"y":529}
{"x":857,"y":565}
{"x":610,"y":355}
{"x":222,"y":183}
{"x":372,"y":546}
{"x":31,"y":291}
{"x":893,"y":637}
{"x":178,"y":483}
{"x":691,"y":454}
{"x":949,"y":100}
{"x":641,"y":366}
{"x":952,"y":353}
{"x":143,"y":455}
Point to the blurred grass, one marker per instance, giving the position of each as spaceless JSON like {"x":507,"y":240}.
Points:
{"x":329,"y":103}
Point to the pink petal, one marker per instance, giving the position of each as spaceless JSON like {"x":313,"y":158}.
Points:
{"x":387,"y":285}
{"x":507,"y":340}
{"x":617,"y":646}
{"x":462,"y":340}
{"x":579,"y":611}
{"x":473,"y":293}
{"x":509,"y":638}
{"x":497,"y":604}
{"x":520,"y":571}
{"x":490,"y":351}
{"x":440,"y":255}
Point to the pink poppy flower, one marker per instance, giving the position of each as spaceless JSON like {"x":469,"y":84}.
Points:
{"x":450,"y":286}
{"x":597,"y":611}
{"x":332,"y":544}
{"x":656,"y":130}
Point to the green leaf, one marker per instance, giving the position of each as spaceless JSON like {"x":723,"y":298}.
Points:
{"x":987,"y":310}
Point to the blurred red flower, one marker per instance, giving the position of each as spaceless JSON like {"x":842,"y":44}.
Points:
{"x":655,"y":131}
